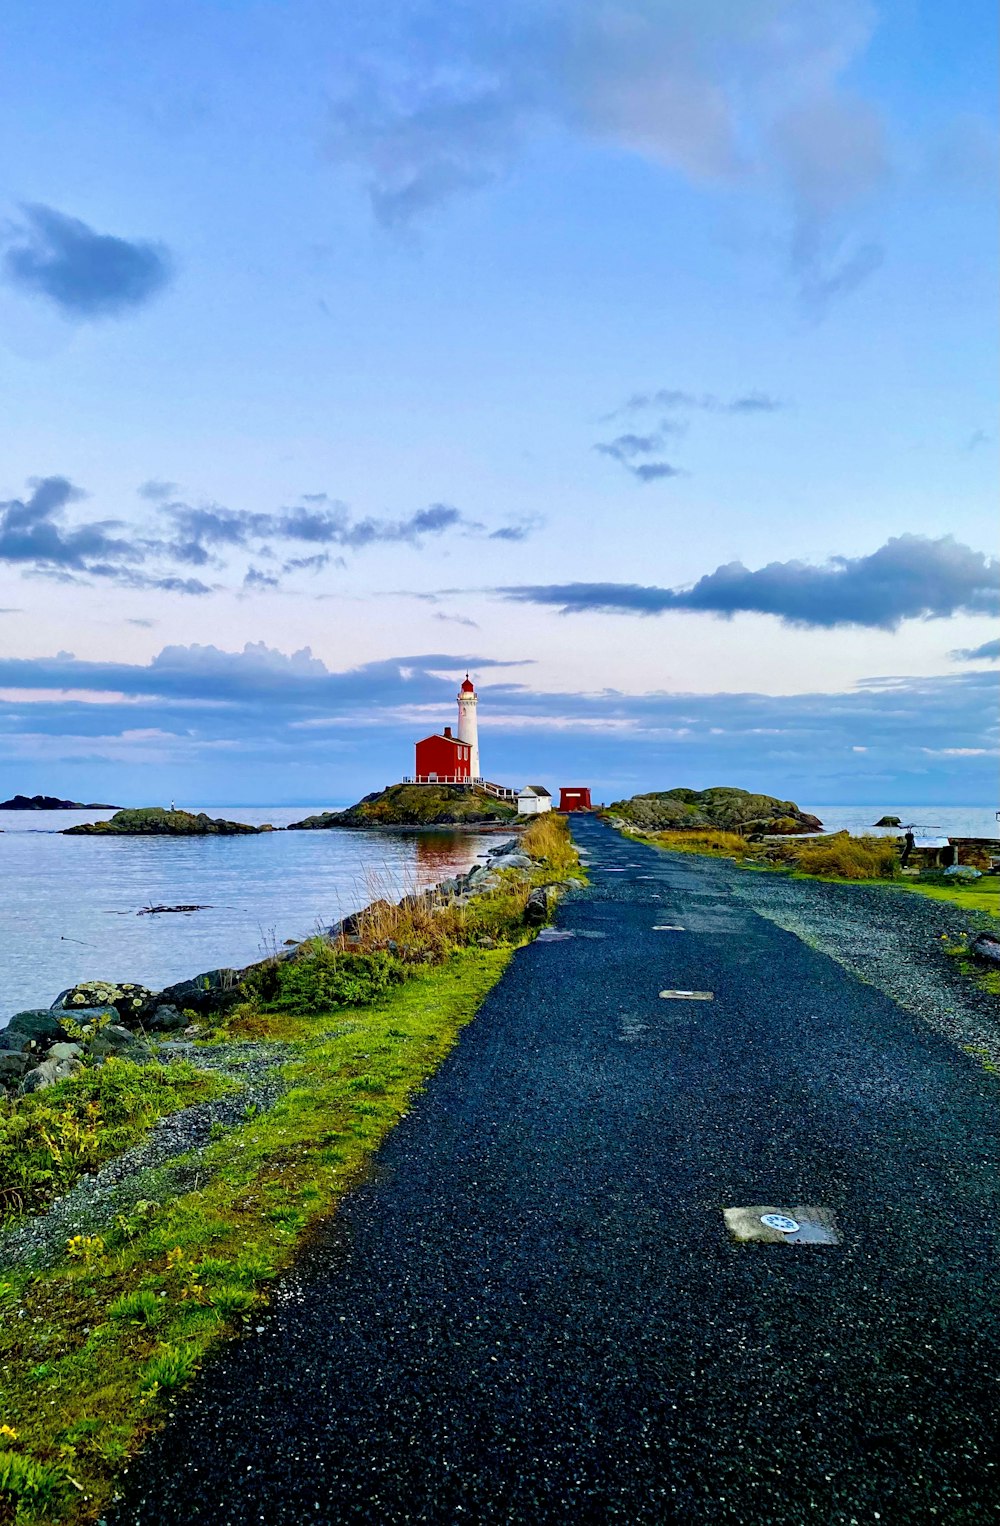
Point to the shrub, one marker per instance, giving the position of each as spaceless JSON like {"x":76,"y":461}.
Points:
{"x":325,"y":977}
{"x":844,"y":857}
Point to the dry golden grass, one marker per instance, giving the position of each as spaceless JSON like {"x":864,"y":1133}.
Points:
{"x":713,"y":844}
{"x":548,"y":841}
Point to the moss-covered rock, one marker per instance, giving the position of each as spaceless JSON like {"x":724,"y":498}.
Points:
{"x":154,"y":821}
{"x":416,"y":805}
{"x":723,"y":808}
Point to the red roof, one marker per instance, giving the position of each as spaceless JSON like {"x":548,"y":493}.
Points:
{"x":468,"y":687}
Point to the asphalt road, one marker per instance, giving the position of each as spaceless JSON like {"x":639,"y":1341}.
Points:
{"x":533,"y":1312}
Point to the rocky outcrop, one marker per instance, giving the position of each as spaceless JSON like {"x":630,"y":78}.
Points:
{"x":50,"y":803}
{"x":152,"y":821}
{"x":129,"y":1000}
{"x":720,"y":809}
{"x":416,"y":805}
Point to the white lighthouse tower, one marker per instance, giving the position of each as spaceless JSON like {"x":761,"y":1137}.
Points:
{"x":468,"y":725}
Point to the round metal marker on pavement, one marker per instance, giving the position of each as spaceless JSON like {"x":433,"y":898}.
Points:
{"x":781,"y":1222}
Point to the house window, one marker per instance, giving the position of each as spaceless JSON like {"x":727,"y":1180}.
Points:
{"x":432,"y":778}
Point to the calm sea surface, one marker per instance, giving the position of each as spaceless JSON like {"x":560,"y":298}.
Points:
{"x":68,"y":905}
{"x":946,"y":820}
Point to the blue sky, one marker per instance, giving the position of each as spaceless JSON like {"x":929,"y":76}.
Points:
{"x":639,"y":355}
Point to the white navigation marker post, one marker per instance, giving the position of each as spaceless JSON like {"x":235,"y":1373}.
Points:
{"x":468,"y":725}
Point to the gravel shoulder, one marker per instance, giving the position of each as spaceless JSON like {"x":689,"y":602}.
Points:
{"x":891,"y":940}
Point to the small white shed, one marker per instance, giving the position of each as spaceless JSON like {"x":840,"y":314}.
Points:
{"x":533,"y":800}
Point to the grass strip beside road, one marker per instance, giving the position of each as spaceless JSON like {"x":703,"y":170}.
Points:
{"x":91,"y":1347}
{"x":835,"y":860}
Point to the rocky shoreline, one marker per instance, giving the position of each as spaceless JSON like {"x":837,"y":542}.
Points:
{"x":98,"y":1020}
{"x":134,"y":1023}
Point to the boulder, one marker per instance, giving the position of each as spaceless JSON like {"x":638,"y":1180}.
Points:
{"x":210,"y":992}
{"x":511,"y":861}
{"x":166,"y":1019}
{"x":116,"y":1042}
{"x":129,"y":1000}
{"x":536,"y":910}
{"x":986,"y":947}
{"x":13,"y":1065}
{"x":65,"y":1051}
{"x":37,"y":1028}
{"x":48,"y":1074}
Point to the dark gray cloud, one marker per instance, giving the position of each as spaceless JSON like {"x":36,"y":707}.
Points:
{"x":84,"y":273}
{"x":156,"y":491}
{"x":636,"y":452}
{"x":675,"y":400}
{"x":909,"y":578}
{"x":655,"y":471}
{"x":257,"y":581}
{"x":895,"y":739}
{"x":988,"y":652}
{"x":35,"y":534}
{"x":438,"y":98}
{"x":32,"y":534}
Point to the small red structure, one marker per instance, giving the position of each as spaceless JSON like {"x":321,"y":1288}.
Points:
{"x":574,"y":799}
{"x":443,"y":759}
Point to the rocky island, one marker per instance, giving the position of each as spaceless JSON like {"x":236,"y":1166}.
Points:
{"x":154,"y":821}
{"x":50,"y":803}
{"x":417,"y":805}
{"x":721,"y":808}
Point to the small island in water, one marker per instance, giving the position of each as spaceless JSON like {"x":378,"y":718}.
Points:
{"x":154,"y":821}
{"x":51,"y":803}
{"x":722,"y":808}
{"x":417,"y":805}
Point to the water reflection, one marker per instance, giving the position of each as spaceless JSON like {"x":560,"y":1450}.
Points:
{"x":69,"y":906}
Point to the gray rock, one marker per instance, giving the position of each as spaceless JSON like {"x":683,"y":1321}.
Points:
{"x":65,"y":1051}
{"x":47,"y":1074}
{"x":511,"y":861}
{"x":210,"y":992}
{"x":115,"y":1041}
{"x":38,"y":1027}
{"x":129,"y":1000}
{"x":166,"y":1019}
{"x":13,"y":1065}
{"x":87,"y":1015}
{"x":536,"y":911}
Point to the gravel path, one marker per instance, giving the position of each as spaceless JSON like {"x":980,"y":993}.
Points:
{"x":890,"y":938}
{"x":532,"y":1312}
{"x":145,"y":1171}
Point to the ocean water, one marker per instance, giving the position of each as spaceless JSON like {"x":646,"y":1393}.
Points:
{"x":69,"y":905}
{"x":936,"y":820}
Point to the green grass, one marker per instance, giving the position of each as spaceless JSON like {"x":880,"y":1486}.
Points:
{"x":90,"y":1347}
{"x":981,"y":895}
{"x":48,"y":1139}
{"x":836,"y":859}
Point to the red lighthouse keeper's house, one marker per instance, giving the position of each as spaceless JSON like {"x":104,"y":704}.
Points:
{"x":443,"y":759}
